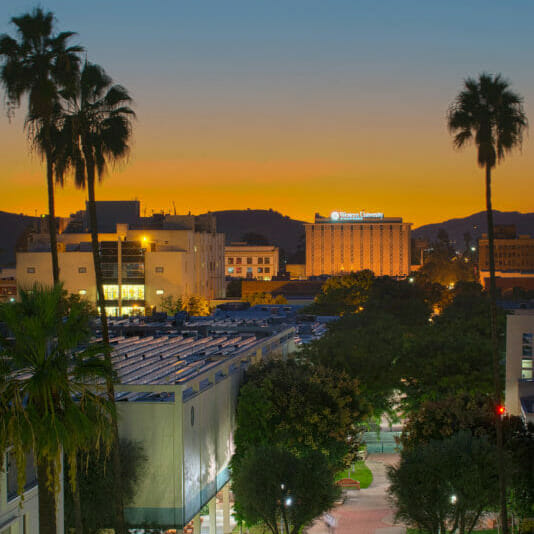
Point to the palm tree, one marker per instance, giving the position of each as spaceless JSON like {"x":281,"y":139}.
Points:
{"x":48,"y":393}
{"x":38,"y":66}
{"x":96,"y":131}
{"x":491,"y":115}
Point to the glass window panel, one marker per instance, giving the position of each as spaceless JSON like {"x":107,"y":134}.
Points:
{"x":111,"y":292}
{"x":132,"y":292}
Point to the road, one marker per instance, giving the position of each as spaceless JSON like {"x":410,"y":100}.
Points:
{"x":365,"y":511}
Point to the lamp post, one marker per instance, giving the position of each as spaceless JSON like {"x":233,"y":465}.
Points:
{"x":285,"y":502}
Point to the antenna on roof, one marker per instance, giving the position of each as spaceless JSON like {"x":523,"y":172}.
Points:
{"x":174,"y":206}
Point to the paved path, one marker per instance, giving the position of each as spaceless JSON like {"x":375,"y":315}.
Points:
{"x":366,"y":511}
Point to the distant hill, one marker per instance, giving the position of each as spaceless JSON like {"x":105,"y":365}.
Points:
{"x":476,"y":225}
{"x":279,"y":229}
{"x":11,"y":227}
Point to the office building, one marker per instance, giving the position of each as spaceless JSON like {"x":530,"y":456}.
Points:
{"x":348,"y":242}
{"x":143,"y":259}
{"x":251,"y":261}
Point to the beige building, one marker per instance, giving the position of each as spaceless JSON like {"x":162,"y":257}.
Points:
{"x":347,"y":242}
{"x":251,"y":261}
{"x":519,"y":364}
{"x":142,"y":262}
{"x":512,"y":252}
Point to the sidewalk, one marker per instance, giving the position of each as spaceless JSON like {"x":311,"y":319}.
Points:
{"x":366,"y":511}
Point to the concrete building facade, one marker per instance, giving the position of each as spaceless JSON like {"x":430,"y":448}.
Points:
{"x":141,"y":262}
{"x":251,"y":261}
{"x":348,"y":242}
{"x":519,"y":364}
{"x":512,"y":252}
{"x":177,"y":396}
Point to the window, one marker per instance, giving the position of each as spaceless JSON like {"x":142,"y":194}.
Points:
{"x":159,"y":291}
{"x":192,"y":415}
{"x":230,"y":270}
{"x":260,"y":269}
{"x":526,"y":368}
{"x":230,"y":261}
{"x":159,"y":269}
{"x":249,"y":269}
{"x":527,"y":344}
{"x":266,"y":261}
{"x":260,"y":261}
{"x":238,"y":261}
{"x":238,"y":270}
{"x":82,"y":270}
{"x":266,"y":269}
{"x":30,"y":270}
{"x":132,"y":292}
{"x":82,"y":292}
{"x":249,"y":261}
{"x":111,"y":292}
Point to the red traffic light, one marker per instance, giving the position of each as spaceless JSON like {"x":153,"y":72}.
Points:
{"x":500,"y":409}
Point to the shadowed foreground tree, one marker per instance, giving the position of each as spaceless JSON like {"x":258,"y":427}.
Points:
{"x":39,"y":65}
{"x":488,"y":113}
{"x":445,"y":485}
{"x":47,"y":402}
{"x":273,"y":486}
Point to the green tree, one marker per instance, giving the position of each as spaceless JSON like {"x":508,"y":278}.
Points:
{"x":491,"y":115}
{"x":96,"y":485}
{"x":450,"y":355}
{"x":343,"y":294}
{"x":299,"y":407}
{"x":39,"y":65}
{"x":264,"y":298}
{"x":47,"y":400}
{"x":445,"y":485}
{"x":273,"y":486}
{"x":96,"y":131}
{"x":197,"y":306}
{"x":172,"y":305}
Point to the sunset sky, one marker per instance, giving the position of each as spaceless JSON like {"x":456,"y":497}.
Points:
{"x":302,"y":106}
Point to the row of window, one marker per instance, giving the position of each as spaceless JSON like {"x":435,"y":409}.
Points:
{"x":128,"y":292}
{"x":249,"y":260}
{"x":239,"y":270}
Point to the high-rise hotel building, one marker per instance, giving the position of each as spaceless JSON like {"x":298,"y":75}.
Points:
{"x":348,"y":242}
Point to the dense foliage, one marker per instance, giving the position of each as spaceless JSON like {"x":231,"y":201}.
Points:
{"x":273,"y":485}
{"x":299,"y":407}
{"x":96,"y":485}
{"x":194,"y":305}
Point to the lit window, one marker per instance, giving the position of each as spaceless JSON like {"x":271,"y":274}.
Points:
{"x":82,"y":292}
{"x":526,"y":368}
{"x":238,"y":270}
{"x":111,"y":292}
{"x":230,"y":270}
{"x":132,"y":292}
{"x":159,"y":269}
{"x":159,"y":291}
{"x":249,"y":269}
{"x":82,"y":270}
{"x":30,"y":270}
{"x":260,"y":269}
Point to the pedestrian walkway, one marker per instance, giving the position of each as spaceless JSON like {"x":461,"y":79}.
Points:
{"x":365,"y":511}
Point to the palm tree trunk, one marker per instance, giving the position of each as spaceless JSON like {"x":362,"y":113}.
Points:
{"x":52,"y":217}
{"x":120,"y":526}
{"x":495,"y":354}
{"x":47,"y":501}
{"x":78,"y":521}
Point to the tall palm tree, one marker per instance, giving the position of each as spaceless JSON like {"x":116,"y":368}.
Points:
{"x":491,"y":115}
{"x":48,"y":392}
{"x":96,"y":131}
{"x":39,"y":65}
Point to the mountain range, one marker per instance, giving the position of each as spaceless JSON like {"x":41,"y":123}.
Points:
{"x":285,"y":232}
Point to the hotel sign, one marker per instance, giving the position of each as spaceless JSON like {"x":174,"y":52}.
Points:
{"x":360,"y":216}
